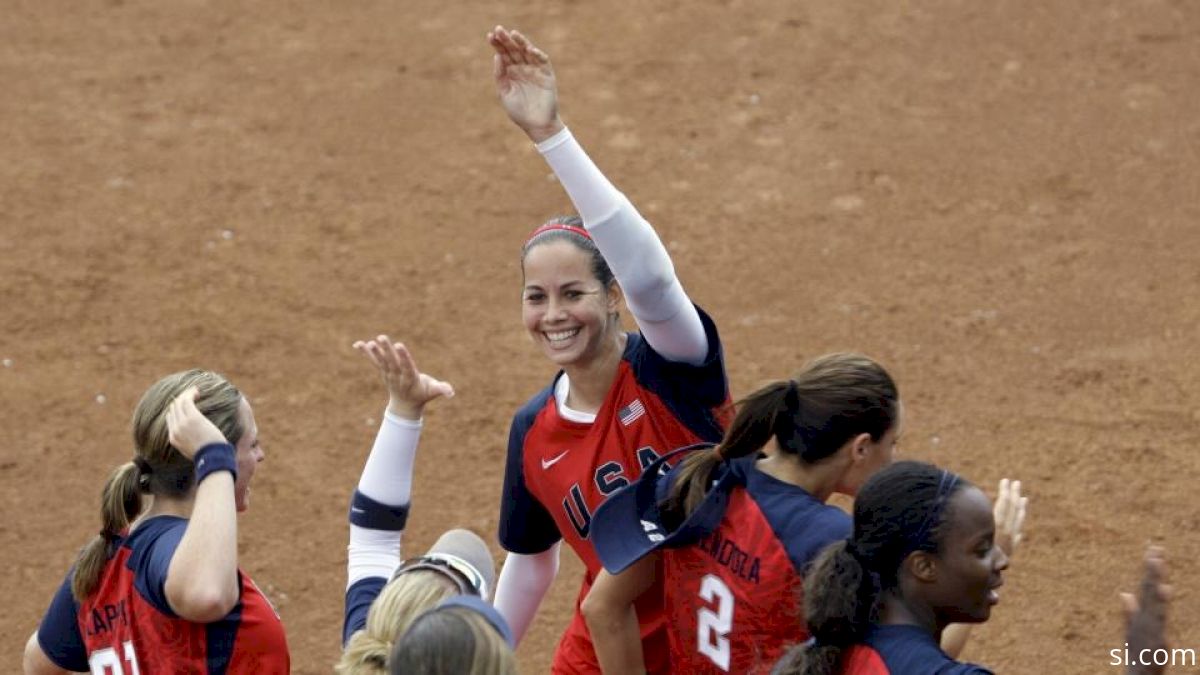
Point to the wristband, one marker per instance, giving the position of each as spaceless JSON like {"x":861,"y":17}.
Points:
{"x":368,"y":513}
{"x":215,"y":457}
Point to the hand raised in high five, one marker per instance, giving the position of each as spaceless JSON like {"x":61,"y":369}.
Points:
{"x":1146,"y":615}
{"x":526,"y":84}
{"x":188,"y":429}
{"x":408,"y":388}
{"x":1009,"y":512}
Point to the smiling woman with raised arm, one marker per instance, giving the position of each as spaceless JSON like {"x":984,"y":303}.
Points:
{"x":619,"y":400}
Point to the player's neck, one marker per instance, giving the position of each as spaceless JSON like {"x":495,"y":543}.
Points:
{"x":590,"y":380}
{"x":167,"y":506}
{"x":896,"y":610}
{"x":819,"y":480}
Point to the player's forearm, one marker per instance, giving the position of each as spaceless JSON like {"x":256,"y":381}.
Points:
{"x":593,"y":195}
{"x":616,"y":636}
{"x":202,"y":581}
{"x":523,"y":583}
{"x":387,"y":474}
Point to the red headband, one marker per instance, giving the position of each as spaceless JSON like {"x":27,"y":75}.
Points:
{"x":558,"y":226}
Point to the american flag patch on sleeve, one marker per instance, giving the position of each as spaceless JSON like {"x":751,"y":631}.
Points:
{"x":631,"y":412}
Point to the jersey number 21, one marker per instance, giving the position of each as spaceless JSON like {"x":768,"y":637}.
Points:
{"x":107,"y":662}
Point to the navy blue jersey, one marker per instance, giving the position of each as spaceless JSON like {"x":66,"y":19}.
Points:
{"x":903,"y":650}
{"x":127,"y":625}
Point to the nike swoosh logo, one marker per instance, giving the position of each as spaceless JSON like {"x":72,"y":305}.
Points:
{"x":547,"y":463}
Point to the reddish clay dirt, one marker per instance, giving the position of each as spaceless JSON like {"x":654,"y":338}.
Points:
{"x":998,"y":200}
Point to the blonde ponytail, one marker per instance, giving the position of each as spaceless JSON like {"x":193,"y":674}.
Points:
{"x":120,"y":504}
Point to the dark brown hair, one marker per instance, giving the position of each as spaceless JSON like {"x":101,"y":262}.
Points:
{"x":829,"y":401}
{"x":599,"y":265}
{"x":900,"y":510}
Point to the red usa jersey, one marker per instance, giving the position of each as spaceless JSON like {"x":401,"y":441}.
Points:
{"x":734,"y":598}
{"x":903,"y":650}
{"x":558,"y":471}
{"x":127,"y":627}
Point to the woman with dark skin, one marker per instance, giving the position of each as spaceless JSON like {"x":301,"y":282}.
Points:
{"x":922,"y":556}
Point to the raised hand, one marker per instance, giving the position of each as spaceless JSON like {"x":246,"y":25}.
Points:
{"x":188,"y":429}
{"x":525,"y":83}
{"x":408,"y":388}
{"x":1009,"y":512}
{"x":1146,"y":614}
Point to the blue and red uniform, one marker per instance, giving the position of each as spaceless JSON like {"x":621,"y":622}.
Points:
{"x":126,"y":626}
{"x":735,"y":597}
{"x":733,"y":570}
{"x":903,"y":650}
{"x":558,"y":472}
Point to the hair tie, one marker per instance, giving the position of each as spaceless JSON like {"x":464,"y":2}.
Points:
{"x":143,"y":466}
{"x":552,"y":226}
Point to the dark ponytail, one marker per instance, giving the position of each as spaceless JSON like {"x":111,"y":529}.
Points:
{"x":830,"y":401}
{"x":752,"y":428}
{"x":899,"y":510}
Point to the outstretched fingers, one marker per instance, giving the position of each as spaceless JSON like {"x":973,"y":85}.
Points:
{"x":502,"y":41}
{"x":1009,"y":513}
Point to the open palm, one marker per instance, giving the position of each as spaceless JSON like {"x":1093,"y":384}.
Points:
{"x":408,"y":388}
{"x":525,"y":82}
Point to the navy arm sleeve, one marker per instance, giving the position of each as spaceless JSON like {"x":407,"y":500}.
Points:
{"x":526,"y":527}
{"x":58,"y":634}
{"x":359,"y":597}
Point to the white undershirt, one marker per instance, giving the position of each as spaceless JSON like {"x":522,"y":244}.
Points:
{"x":561,"y":388}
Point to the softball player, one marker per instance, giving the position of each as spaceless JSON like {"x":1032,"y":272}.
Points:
{"x":384,"y":595}
{"x":162,"y":592}
{"x":620,"y":399}
{"x":924,"y":554}
{"x":737,"y":525}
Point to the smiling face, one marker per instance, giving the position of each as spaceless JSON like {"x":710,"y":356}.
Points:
{"x":249,"y":454}
{"x":969,"y":564}
{"x":567,"y":311}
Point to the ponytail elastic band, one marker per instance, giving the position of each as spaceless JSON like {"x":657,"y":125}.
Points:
{"x":550,"y":227}
{"x":142,"y":465}
{"x":215,"y":457}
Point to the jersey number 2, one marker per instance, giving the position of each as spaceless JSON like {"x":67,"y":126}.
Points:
{"x":715,"y":623}
{"x":106,"y":661}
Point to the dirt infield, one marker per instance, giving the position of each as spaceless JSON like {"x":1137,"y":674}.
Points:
{"x":998,"y":200}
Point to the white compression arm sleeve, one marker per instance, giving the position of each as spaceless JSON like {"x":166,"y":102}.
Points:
{"x":387,"y":479}
{"x":387,"y":476}
{"x":637,"y":257}
{"x":523,"y":583}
